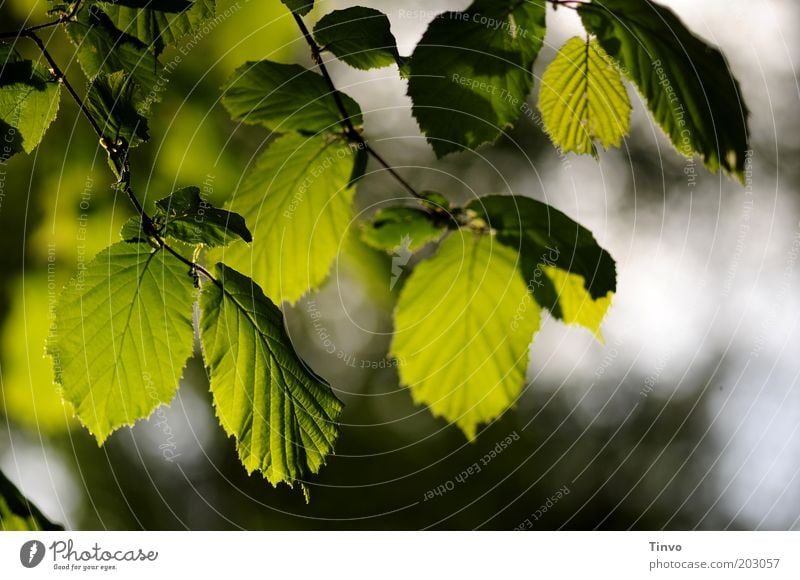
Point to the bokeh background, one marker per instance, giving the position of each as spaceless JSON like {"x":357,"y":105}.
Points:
{"x":686,"y":417}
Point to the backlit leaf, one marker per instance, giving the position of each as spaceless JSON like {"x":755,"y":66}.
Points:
{"x":463,"y":325}
{"x":122,"y":335}
{"x":29,"y":99}
{"x":281,"y":413}
{"x":583,"y":100}
{"x":298,"y":205}
{"x":575,"y":304}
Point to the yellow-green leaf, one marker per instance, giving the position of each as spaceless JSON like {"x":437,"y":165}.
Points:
{"x":122,"y":336}
{"x":576,"y":305}
{"x":463,"y":324}
{"x":281,"y":413}
{"x":583,"y":99}
{"x":298,"y":204}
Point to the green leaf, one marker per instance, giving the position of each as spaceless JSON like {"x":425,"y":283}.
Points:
{"x":123,"y":334}
{"x":544,"y":236}
{"x":359,"y":36}
{"x":187,"y":217}
{"x":298,"y":203}
{"x":10,"y":141}
{"x":133,"y":230}
{"x":281,"y":413}
{"x":583,"y":100}
{"x":159,"y":23}
{"x":285,"y":97}
{"x":113,"y":101}
{"x":29,"y":99}
{"x":435,"y":201}
{"x":574,"y":304}
{"x":687,"y":83}
{"x":472,"y":71}
{"x":463,"y":324}
{"x":299,"y":7}
{"x":17,"y":513}
{"x":104,"y":48}
{"x":401,"y":227}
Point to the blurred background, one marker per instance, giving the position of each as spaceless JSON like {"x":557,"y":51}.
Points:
{"x":686,"y":417}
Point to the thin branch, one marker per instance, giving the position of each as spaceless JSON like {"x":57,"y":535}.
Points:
{"x":120,"y":160}
{"x":350,"y":130}
{"x":399,"y":178}
{"x":337,"y":96}
{"x":193,"y":265}
{"x":59,"y":74}
{"x":119,"y":156}
{"x":66,"y":17}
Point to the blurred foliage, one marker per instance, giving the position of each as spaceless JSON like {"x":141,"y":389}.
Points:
{"x":58,"y":201}
{"x":30,"y":398}
{"x":17,"y":513}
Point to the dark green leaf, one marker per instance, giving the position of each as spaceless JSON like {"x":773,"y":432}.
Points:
{"x":187,"y":217}
{"x":10,"y":141}
{"x":29,"y":99}
{"x":401,"y":227}
{"x":104,"y":48}
{"x":544,"y":236}
{"x":17,"y":513}
{"x":280,"y":412}
{"x":159,"y":24}
{"x":359,"y":36}
{"x":112,"y":101}
{"x":300,"y":7}
{"x":132,"y":231}
{"x":472,"y":71}
{"x":285,"y":97}
{"x":13,"y":68}
{"x":687,"y":83}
